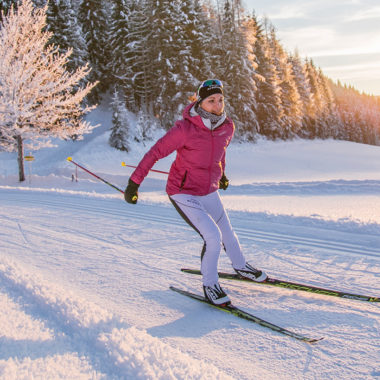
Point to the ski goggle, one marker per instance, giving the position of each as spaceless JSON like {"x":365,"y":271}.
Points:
{"x":212,"y":83}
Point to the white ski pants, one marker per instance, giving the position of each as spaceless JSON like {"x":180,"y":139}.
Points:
{"x":208,"y":217}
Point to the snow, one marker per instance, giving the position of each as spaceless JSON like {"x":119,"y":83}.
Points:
{"x":84,"y":277}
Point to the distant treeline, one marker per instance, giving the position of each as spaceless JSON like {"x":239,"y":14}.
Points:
{"x":152,"y":54}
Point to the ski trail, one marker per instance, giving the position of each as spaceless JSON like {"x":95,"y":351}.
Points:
{"x":113,"y":348}
{"x":26,"y":240}
{"x":266,"y":246}
{"x":167,"y":216}
{"x":308,"y":242}
{"x":63,"y":316}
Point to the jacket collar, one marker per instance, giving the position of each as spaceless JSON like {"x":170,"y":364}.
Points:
{"x":190,"y":114}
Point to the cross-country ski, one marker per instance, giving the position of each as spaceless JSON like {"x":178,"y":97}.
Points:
{"x":292,"y":286}
{"x":232,"y":309}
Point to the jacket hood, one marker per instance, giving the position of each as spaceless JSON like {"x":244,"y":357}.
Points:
{"x":195,"y":119}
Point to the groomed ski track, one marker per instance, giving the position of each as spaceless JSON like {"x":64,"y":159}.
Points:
{"x":116,"y":262}
{"x":169,"y":218}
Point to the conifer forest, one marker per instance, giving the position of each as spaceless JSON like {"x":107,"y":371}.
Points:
{"x":150,"y":55}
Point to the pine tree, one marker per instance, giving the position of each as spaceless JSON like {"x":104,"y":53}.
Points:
{"x":145,"y":127}
{"x":132,"y":63}
{"x":358,"y":114}
{"x":121,"y":45}
{"x":237,"y":70}
{"x":141,"y":70}
{"x":120,"y":131}
{"x":63,"y":23}
{"x":290,"y":98}
{"x":304,"y":91}
{"x":193,"y":60}
{"x":39,"y":97}
{"x":94,"y":20}
{"x":329,"y":116}
{"x":315,"y":126}
{"x":165,"y":49}
{"x":269,"y":110}
{"x":344,"y":101}
{"x":202,"y":42}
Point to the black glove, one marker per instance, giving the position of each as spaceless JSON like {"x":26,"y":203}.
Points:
{"x":130,"y":194}
{"x":223,"y":182}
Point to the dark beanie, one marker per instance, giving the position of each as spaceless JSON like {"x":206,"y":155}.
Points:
{"x":209,"y":87}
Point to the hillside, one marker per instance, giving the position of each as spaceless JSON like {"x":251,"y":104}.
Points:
{"x":85,"y":277}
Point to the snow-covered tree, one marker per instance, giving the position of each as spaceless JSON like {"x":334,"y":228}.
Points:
{"x":121,"y":30}
{"x":131,"y":64}
{"x":358,"y":114}
{"x":39,"y":97}
{"x":238,"y":66}
{"x":194,"y":62}
{"x":164,"y":48}
{"x":303,"y":89}
{"x":184,"y":57}
{"x":145,"y":127}
{"x":329,"y":115}
{"x":93,"y":16}
{"x":157,"y":51}
{"x":269,"y":109}
{"x":120,"y":131}
{"x":5,"y":6}
{"x":66,"y":32}
{"x":290,"y":98}
{"x":245,"y":104}
{"x":315,"y":125}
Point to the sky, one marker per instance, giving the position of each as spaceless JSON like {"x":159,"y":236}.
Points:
{"x":341,"y":36}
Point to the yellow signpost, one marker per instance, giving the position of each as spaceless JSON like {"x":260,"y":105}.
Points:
{"x":29,"y":158}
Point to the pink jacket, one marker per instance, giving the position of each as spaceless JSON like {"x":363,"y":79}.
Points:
{"x":200,"y":159}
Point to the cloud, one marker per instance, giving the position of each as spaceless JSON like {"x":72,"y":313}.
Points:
{"x":325,"y":30}
{"x":327,"y":41}
{"x":288,"y":12}
{"x":365,"y":14}
{"x":363,"y":77}
{"x":359,"y":70}
{"x":321,"y":11}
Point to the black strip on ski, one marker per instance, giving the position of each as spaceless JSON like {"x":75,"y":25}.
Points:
{"x":293,"y":286}
{"x":245,"y":315}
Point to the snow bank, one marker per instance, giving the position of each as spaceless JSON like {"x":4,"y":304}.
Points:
{"x":129,"y":348}
{"x":79,"y":325}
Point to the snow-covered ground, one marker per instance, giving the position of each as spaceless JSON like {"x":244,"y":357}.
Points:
{"x":84,"y":277}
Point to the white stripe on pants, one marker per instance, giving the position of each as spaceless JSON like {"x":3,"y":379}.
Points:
{"x":207,"y":215}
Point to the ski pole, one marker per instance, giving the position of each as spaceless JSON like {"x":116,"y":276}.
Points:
{"x":151,"y":170}
{"x":93,"y":174}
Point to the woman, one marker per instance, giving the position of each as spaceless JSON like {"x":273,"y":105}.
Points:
{"x":200,"y":139}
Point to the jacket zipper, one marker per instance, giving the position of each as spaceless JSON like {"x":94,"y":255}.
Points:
{"x":183,"y":181}
{"x":212,"y":155}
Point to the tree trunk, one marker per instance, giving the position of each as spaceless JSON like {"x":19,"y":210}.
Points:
{"x":20,"y":159}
